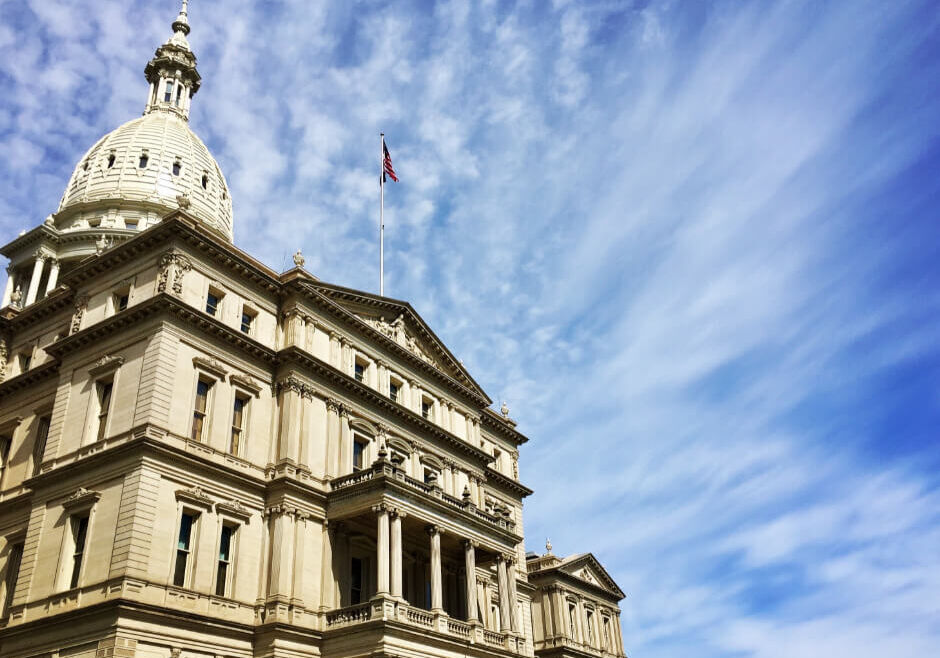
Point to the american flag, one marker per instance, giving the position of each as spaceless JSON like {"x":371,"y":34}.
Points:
{"x":387,"y":169}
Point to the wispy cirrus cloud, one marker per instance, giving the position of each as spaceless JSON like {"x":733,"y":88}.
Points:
{"x":692,"y":244}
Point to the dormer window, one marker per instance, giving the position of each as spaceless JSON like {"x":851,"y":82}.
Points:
{"x":168,"y":95}
{"x":177,"y":167}
{"x":111,"y":159}
{"x":144,"y":159}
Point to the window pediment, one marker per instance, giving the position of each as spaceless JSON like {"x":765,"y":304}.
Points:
{"x":81,"y":499}
{"x":106,"y":365}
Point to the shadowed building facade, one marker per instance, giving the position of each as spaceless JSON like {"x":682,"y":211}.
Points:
{"x":201,"y":457}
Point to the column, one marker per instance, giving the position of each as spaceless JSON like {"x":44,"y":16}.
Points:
{"x":53,"y":275}
{"x":396,"y":563}
{"x":381,"y":586}
{"x":513,"y":599}
{"x":300,"y":532}
{"x":345,"y":357}
{"x":503,"y":583}
{"x":447,"y":479}
{"x":327,"y":577}
{"x":8,"y":291}
{"x":330,"y":450}
{"x":282,"y":549}
{"x":470,"y":566}
{"x":436,"y":589}
{"x":560,"y":606}
{"x":345,"y":442}
{"x":150,"y":97}
{"x":34,"y":282}
{"x":474,"y":491}
{"x":415,"y":402}
{"x":382,"y":384}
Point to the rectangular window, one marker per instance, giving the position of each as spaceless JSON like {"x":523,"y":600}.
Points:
{"x":39,"y":448}
{"x":360,"y":371}
{"x":168,"y":95}
{"x":359,"y":451}
{"x":607,"y":644}
{"x":130,"y":224}
{"x":104,"y":390}
{"x":590,"y":627}
{"x":238,"y":424}
{"x":183,"y":548}
{"x":212,"y":303}
{"x":430,"y":475}
{"x":25,"y":361}
{"x":572,"y":621}
{"x":79,"y":534}
{"x":13,"y":572}
{"x":393,"y":391}
{"x":120,"y":301}
{"x":355,"y":581}
{"x":426,"y":408}
{"x":247,"y":319}
{"x":223,"y":572}
{"x":5,"y":443}
{"x":199,"y":409}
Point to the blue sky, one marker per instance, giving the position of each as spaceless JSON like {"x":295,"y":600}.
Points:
{"x":693,"y":245}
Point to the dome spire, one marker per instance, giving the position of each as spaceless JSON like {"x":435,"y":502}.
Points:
{"x":172,"y":72}
{"x":181,"y":24}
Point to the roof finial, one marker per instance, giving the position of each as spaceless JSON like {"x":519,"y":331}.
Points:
{"x":548,"y":546}
{"x":181,"y":24}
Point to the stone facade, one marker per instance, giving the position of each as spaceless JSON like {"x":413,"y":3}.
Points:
{"x":202,"y":457}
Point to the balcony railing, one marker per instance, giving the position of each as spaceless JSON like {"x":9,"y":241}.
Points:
{"x":394,"y":610}
{"x":382,"y":468}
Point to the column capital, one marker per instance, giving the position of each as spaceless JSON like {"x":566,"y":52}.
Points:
{"x":382,"y":508}
{"x":39,"y":254}
{"x":332,"y":405}
{"x":434,"y":530}
{"x":470,"y":543}
{"x":397,"y":513}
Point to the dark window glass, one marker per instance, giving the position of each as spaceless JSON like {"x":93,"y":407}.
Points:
{"x":176,"y":168}
{"x":122,"y":301}
{"x":25,"y":361}
{"x":168,"y":95}
{"x":205,"y":181}
{"x":355,"y":581}
{"x":104,"y":406}
{"x":238,"y":419}
{"x":111,"y":161}
{"x":79,"y":530}
{"x":144,"y":159}
{"x":360,"y":372}
{"x":42,"y":435}
{"x":183,"y":549}
{"x":246,"y":322}
{"x":13,"y":572}
{"x":425,"y":408}
{"x":225,"y":559}
{"x":358,"y":452}
{"x":212,"y":304}
{"x":393,"y":392}
{"x":199,"y":409}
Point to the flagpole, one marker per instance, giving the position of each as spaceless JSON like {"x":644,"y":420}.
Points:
{"x":382,"y":217}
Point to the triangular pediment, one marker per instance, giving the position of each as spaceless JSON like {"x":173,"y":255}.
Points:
{"x":586,"y":567}
{"x":399,"y":322}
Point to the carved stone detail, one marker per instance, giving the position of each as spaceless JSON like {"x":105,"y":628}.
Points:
{"x":81,"y":304}
{"x":81,"y":498}
{"x":174,"y":267}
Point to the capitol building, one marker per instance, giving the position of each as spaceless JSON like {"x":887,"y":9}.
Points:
{"x":201,"y":457}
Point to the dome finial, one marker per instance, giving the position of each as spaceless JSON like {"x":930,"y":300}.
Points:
{"x":181,"y":24}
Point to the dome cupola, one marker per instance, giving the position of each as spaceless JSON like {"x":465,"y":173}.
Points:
{"x":154,"y":164}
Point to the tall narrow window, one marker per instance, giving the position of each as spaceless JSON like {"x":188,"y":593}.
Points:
{"x":607,"y":644}
{"x":360,"y":371}
{"x":393,"y":391}
{"x":213,"y":299}
{"x":355,"y":581}
{"x":79,"y":534}
{"x":5,"y":443}
{"x":359,"y":451}
{"x":223,"y":572}
{"x":426,"y":408}
{"x":238,"y":424}
{"x":168,"y":94}
{"x":205,"y":181}
{"x":179,"y":95}
{"x":104,"y":390}
{"x":177,"y":167}
{"x":572,"y":621}
{"x":144,"y":159}
{"x":183,"y":549}
{"x":248,"y":319}
{"x":590,"y":627}
{"x":25,"y":361}
{"x":39,"y":448}
{"x":111,"y":158}
{"x":13,"y":572}
{"x":199,"y":409}
{"x":120,"y":300}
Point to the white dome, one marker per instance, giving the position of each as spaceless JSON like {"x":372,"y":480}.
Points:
{"x":142,"y":167}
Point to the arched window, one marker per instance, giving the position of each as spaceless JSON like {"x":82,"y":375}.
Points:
{"x":177,"y":167}
{"x":144,"y":159}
